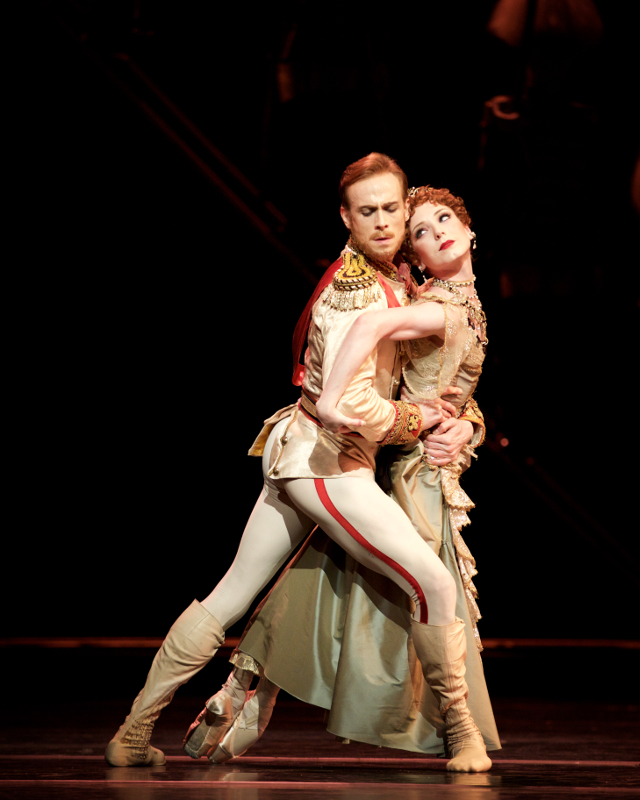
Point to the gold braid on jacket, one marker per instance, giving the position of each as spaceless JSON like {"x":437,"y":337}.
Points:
{"x":407,"y":425}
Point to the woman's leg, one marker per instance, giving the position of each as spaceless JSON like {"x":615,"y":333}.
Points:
{"x":218,"y":715}
{"x":249,"y":724}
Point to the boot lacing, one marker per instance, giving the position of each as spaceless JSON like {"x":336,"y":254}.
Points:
{"x":138,"y":737}
{"x":464,"y":732}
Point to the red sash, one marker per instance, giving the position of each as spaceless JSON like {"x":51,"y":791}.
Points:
{"x":302,"y":328}
{"x":392,"y":300}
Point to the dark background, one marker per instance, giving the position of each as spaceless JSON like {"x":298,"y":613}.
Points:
{"x":156,"y":292}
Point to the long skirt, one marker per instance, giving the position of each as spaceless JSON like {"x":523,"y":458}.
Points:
{"x":338,"y":635}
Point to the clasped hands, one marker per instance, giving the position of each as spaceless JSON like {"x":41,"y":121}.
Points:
{"x":448,"y":435}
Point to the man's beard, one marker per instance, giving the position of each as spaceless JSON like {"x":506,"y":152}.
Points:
{"x":366,"y":249}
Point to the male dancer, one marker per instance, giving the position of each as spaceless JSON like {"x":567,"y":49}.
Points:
{"x":335,"y":635}
{"x":314,"y":477}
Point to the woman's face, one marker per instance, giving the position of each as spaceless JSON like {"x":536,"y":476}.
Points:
{"x":438,"y":237}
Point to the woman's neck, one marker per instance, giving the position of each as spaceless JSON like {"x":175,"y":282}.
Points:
{"x":457,"y":272}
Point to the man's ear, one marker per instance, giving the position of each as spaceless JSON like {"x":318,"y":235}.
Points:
{"x":406,"y":210}
{"x":346,"y":216}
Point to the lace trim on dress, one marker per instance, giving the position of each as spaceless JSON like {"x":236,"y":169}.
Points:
{"x":459,"y":502}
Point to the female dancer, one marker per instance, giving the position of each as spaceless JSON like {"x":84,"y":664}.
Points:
{"x":444,"y":335}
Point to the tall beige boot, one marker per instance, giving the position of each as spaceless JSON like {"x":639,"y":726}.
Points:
{"x":192,"y":641}
{"x":442,"y":651}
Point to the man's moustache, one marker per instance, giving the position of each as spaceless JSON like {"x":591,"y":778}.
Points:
{"x":366,"y":246}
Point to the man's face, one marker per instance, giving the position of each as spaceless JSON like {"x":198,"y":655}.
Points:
{"x":376,"y":215}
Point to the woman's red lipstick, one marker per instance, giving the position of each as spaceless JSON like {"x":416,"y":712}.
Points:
{"x":446,"y":244}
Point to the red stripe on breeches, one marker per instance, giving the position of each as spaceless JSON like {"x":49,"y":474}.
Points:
{"x":353,"y":532}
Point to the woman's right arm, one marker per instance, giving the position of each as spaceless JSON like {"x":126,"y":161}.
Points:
{"x":397,"y":324}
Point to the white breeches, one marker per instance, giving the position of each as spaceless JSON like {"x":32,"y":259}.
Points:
{"x":358,"y":516}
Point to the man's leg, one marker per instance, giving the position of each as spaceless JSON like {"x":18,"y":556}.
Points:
{"x":371,"y":527}
{"x":375,"y":531}
{"x":274,"y":529}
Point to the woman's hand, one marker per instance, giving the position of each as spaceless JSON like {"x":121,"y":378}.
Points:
{"x":333,"y":420}
{"x":432,"y":412}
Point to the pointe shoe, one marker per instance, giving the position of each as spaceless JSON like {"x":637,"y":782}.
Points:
{"x":248,"y":727}
{"x":218,"y":715}
{"x":192,"y":641}
{"x":442,"y":651}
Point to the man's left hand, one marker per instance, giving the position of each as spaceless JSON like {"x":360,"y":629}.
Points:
{"x":447,"y":440}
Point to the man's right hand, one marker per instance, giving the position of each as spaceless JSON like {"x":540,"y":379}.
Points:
{"x":334,"y":420}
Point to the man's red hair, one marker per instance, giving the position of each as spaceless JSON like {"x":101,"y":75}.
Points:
{"x":373,"y":164}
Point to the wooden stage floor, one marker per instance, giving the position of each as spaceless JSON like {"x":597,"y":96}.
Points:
{"x":550,"y":749}
{"x":56,"y":722}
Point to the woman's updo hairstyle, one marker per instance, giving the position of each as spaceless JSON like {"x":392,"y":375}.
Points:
{"x":439,"y":197}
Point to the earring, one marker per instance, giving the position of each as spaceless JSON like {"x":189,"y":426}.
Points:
{"x":474,"y":243}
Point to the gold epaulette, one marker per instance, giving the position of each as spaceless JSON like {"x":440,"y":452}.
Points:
{"x":355,"y":285}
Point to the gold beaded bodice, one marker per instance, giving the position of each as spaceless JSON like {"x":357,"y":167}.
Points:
{"x":431,"y":364}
